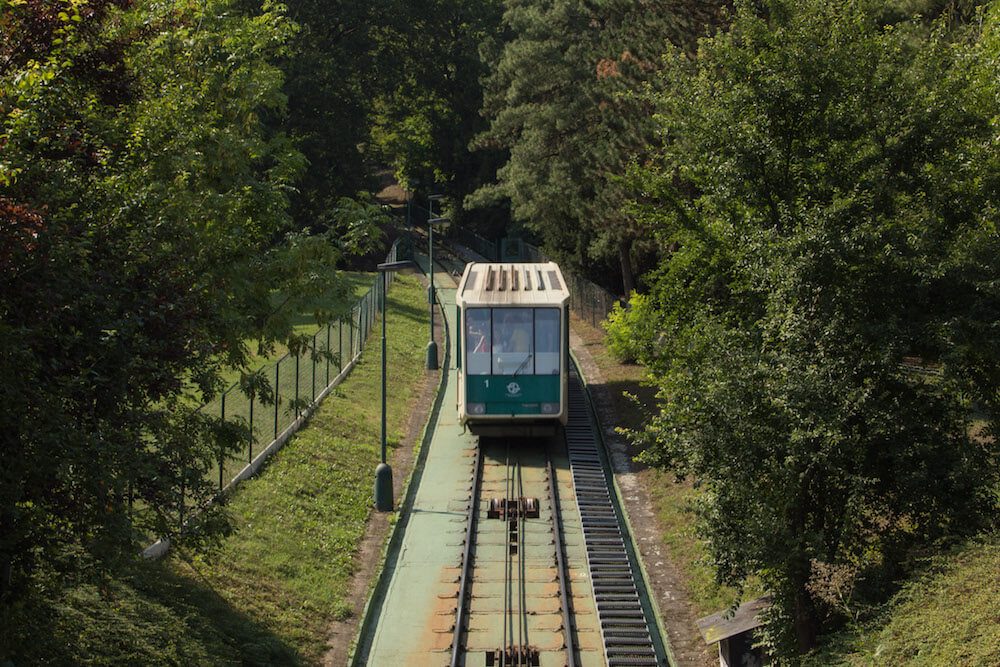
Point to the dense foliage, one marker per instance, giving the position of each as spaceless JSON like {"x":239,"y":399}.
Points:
{"x":426,"y":110}
{"x":827,"y":185}
{"x":144,"y":206}
{"x":558,"y":99}
{"x":807,"y":201}
{"x":331,"y":76}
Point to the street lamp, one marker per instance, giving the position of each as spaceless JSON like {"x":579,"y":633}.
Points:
{"x":432,"y":350}
{"x":383,"y":473}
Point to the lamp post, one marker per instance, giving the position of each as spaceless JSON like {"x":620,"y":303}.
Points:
{"x":432,"y":350}
{"x":383,"y":473}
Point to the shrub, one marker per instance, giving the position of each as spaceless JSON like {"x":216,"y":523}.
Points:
{"x":631,"y":329}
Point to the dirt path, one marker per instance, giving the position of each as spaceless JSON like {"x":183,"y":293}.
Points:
{"x":665,"y":578}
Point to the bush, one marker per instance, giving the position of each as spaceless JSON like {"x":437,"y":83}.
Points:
{"x":631,"y":329}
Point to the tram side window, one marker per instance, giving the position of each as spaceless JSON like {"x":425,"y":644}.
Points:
{"x":512,"y":341}
{"x":477,"y":341}
{"x":547,"y":341}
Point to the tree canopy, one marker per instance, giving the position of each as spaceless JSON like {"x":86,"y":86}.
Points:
{"x":827,"y":185}
{"x":560,"y":100}
{"x":144,"y":209}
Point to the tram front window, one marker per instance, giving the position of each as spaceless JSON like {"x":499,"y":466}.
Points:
{"x":512,"y":341}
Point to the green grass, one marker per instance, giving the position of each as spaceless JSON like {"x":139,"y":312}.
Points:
{"x":945,"y":615}
{"x":267,"y":593}
{"x":672,"y":501}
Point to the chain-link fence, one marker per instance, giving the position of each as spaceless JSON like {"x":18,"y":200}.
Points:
{"x":297,"y":382}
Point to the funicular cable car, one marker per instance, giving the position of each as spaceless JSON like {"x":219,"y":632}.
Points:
{"x":513,"y":341}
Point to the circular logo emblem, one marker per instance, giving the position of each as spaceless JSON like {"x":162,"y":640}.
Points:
{"x":513,"y":389}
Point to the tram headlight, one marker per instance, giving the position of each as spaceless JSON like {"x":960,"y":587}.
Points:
{"x":550,"y":408}
{"x":476,"y":408}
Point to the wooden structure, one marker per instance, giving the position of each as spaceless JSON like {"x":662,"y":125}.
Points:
{"x":734,"y":633}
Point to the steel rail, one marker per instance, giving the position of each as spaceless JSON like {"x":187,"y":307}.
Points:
{"x":522,"y":596}
{"x":560,"y":563}
{"x":506,"y":561}
{"x":463,"y":584}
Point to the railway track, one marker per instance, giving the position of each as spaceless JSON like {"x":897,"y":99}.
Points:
{"x":525,"y":596}
{"x":513,"y":606}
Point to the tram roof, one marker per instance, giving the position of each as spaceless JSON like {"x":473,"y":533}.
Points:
{"x":506,"y":284}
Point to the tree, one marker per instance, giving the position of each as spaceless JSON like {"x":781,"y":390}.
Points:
{"x":143,"y":206}
{"x":332,"y":73}
{"x":825,"y":185}
{"x":427,"y":109}
{"x":560,"y":98}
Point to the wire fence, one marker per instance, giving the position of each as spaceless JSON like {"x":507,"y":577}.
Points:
{"x":297,"y":381}
{"x":590,"y":301}
{"x":473,"y":241}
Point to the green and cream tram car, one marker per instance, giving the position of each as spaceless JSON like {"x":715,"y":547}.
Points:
{"x":513,"y":349}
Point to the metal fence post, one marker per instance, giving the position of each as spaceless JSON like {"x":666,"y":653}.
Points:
{"x":296,"y":383}
{"x":593,"y":311}
{"x":250,"y":455}
{"x":221,"y":453}
{"x":340,"y":346}
{"x":277,"y":395}
{"x":312,"y":358}
{"x":327,"y":356}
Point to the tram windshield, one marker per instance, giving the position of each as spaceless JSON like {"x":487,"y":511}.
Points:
{"x":512,"y":341}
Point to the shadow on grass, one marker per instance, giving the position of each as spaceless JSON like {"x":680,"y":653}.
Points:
{"x":150,"y":615}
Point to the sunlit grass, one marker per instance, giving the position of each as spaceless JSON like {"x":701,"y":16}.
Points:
{"x":358,"y":283}
{"x":946,"y":615}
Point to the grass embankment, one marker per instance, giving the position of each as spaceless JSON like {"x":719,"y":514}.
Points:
{"x":945,"y":615}
{"x":672,"y":500}
{"x":267,"y":593}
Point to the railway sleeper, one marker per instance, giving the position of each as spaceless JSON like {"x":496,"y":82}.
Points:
{"x":585,"y":498}
{"x":621,"y":633}
{"x":630,"y":650}
{"x":620,"y":622}
{"x":597,"y":559}
{"x":513,"y":656}
{"x":597,"y":522}
{"x":626,"y":596}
